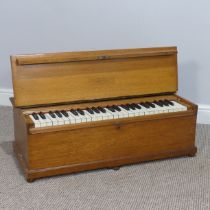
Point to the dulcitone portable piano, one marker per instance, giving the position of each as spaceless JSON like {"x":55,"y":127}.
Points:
{"x":78,"y":111}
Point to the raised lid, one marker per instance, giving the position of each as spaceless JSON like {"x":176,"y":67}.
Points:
{"x":51,"y":78}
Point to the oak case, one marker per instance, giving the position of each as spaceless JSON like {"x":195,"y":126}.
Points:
{"x":44,"y":82}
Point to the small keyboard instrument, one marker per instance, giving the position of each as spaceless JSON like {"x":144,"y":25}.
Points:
{"x":78,"y":111}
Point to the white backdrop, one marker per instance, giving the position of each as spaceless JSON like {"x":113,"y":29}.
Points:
{"x":67,"y":25}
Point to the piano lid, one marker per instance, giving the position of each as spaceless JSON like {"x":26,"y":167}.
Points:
{"x":52,"y":78}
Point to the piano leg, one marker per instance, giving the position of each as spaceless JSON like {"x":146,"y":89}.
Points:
{"x":192,"y":153}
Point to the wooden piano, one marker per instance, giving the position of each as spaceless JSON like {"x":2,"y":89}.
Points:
{"x":80,"y":111}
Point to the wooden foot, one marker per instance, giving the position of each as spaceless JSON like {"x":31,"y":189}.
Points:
{"x":29,"y":180}
{"x":116,"y":168}
{"x":193,"y":152}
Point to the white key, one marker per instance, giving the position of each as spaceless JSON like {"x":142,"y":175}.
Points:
{"x":170,"y":108}
{"x":42,"y":122}
{"x":105,"y":116}
{"x":151,"y":110}
{"x":115,"y":115}
{"x":159,"y":109}
{"x":102,"y":116}
{"x":144,"y":110}
{"x":179,"y":106}
{"x":71,"y":118}
{"x":108,"y":116}
{"x":94,"y":117}
{"x":163,"y":109}
{"x":122,"y":113}
{"x":76,"y":117}
{"x":54,"y":121}
{"x":87,"y":116}
{"x":65,"y":119}
{"x":83,"y":118}
{"x":136,"y":112}
{"x":140,"y":112}
{"x":97,"y":116}
{"x":48,"y":121}
{"x":156,"y":110}
{"x":129,"y":112}
{"x":59,"y":120}
{"x":36,"y":122}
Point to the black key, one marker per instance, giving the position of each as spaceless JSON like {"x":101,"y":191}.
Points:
{"x":90,"y":110}
{"x":64,"y":113}
{"x":169,"y":102}
{"x":80,"y":111}
{"x":74,"y":112}
{"x":125,"y":107}
{"x":35,"y":116}
{"x":52,"y":114}
{"x":150,"y":104}
{"x":101,"y":109}
{"x":110,"y":108}
{"x":131,"y":106}
{"x":136,"y":106}
{"x":95,"y":110}
{"x":58,"y":114}
{"x":164,"y":103}
{"x":161,"y":103}
{"x":116,"y":108}
{"x":145,"y":105}
{"x":158,"y":103}
{"x":42,"y":115}
{"x":153,"y":105}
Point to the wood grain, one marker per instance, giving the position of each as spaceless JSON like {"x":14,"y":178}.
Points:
{"x":48,"y":83}
{"x":61,"y":81}
{"x":110,"y":142}
{"x":41,"y":58}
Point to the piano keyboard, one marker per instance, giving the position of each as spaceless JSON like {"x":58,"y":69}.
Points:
{"x":75,"y":116}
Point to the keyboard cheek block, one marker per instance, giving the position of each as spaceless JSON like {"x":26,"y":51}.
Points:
{"x":109,"y":133}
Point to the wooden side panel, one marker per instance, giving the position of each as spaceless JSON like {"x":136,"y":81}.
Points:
{"x":77,"y":80}
{"x":131,"y":141}
{"x":21,"y":136}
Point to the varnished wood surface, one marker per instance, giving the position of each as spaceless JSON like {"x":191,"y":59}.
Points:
{"x":61,"y":81}
{"x":21,"y":133}
{"x":73,"y":150}
{"x":92,"y":55}
{"x":109,"y":145}
{"x":31,"y":174}
{"x":110,"y":142}
{"x":125,"y":75}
